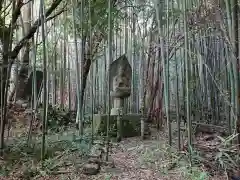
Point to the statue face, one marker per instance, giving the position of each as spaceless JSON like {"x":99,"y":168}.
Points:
{"x":121,"y":81}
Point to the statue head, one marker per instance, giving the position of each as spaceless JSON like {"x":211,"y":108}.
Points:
{"x":120,"y":80}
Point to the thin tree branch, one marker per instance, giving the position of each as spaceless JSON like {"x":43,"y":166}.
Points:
{"x":1,"y":4}
{"x":5,"y":9}
{"x":55,"y":15}
{"x":53,"y":7}
{"x":16,"y":14}
{"x":13,"y":54}
{"x":27,"y":2}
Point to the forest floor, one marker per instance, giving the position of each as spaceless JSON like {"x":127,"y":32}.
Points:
{"x":132,"y":158}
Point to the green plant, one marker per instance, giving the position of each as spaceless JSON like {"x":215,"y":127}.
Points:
{"x":58,"y":119}
{"x":227,"y":157}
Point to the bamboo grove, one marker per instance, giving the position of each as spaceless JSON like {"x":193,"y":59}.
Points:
{"x":184,"y":56}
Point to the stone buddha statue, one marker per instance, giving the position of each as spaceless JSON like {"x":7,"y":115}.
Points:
{"x":121,"y":84}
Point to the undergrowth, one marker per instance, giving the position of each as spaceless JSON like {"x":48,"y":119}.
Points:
{"x":58,"y":118}
{"x":167,"y":160}
{"x":66,"y":150}
{"x":25,"y":161}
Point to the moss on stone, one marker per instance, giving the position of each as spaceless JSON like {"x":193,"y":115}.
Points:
{"x":130,"y":125}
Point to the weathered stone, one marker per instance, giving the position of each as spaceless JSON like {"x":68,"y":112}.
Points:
{"x":25,"y":105}
{"x":91,"y":168}
{"x":120,"y":80}
{"x":99,"y":142}
{"x":94,"y":161}
{"x":120,"y":77}
{"x":21,"y":103}
{"x":120,"y":83}
{"x":131,"y":125}
{"x":117,"y":106}
{"x":28,"y":111}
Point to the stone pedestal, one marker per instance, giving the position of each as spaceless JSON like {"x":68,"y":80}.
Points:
{"x":117,"y":106}
{"x":117,"y":109}
{"x":131,"y":125}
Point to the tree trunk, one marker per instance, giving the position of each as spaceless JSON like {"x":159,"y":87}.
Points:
{"x":90,"y":51}
{"x":5,"y":72}
{"x":24,"y":61}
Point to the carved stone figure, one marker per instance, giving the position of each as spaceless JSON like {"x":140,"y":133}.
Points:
{"x":120,"y":77}
{"x":120,"y":82}
{"x":127,"y":125}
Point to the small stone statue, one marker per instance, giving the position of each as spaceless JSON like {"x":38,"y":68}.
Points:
{"x":120,"y":82}
{"x":120,"y":76}
{"x":121,"y":86}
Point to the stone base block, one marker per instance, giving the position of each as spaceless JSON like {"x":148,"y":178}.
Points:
{"x":131,"y":125}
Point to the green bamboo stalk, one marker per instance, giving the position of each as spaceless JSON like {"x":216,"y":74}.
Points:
{"x":44,"y":124}
{"x":189,"y":122}
{"x":110,"y":60}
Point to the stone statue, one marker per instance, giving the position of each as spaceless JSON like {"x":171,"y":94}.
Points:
{"x":120,"y":82}
{"x":120,"y":77}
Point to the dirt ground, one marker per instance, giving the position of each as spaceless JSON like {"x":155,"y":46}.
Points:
{"x":132,"y":158}
{"x":140,"y":160}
